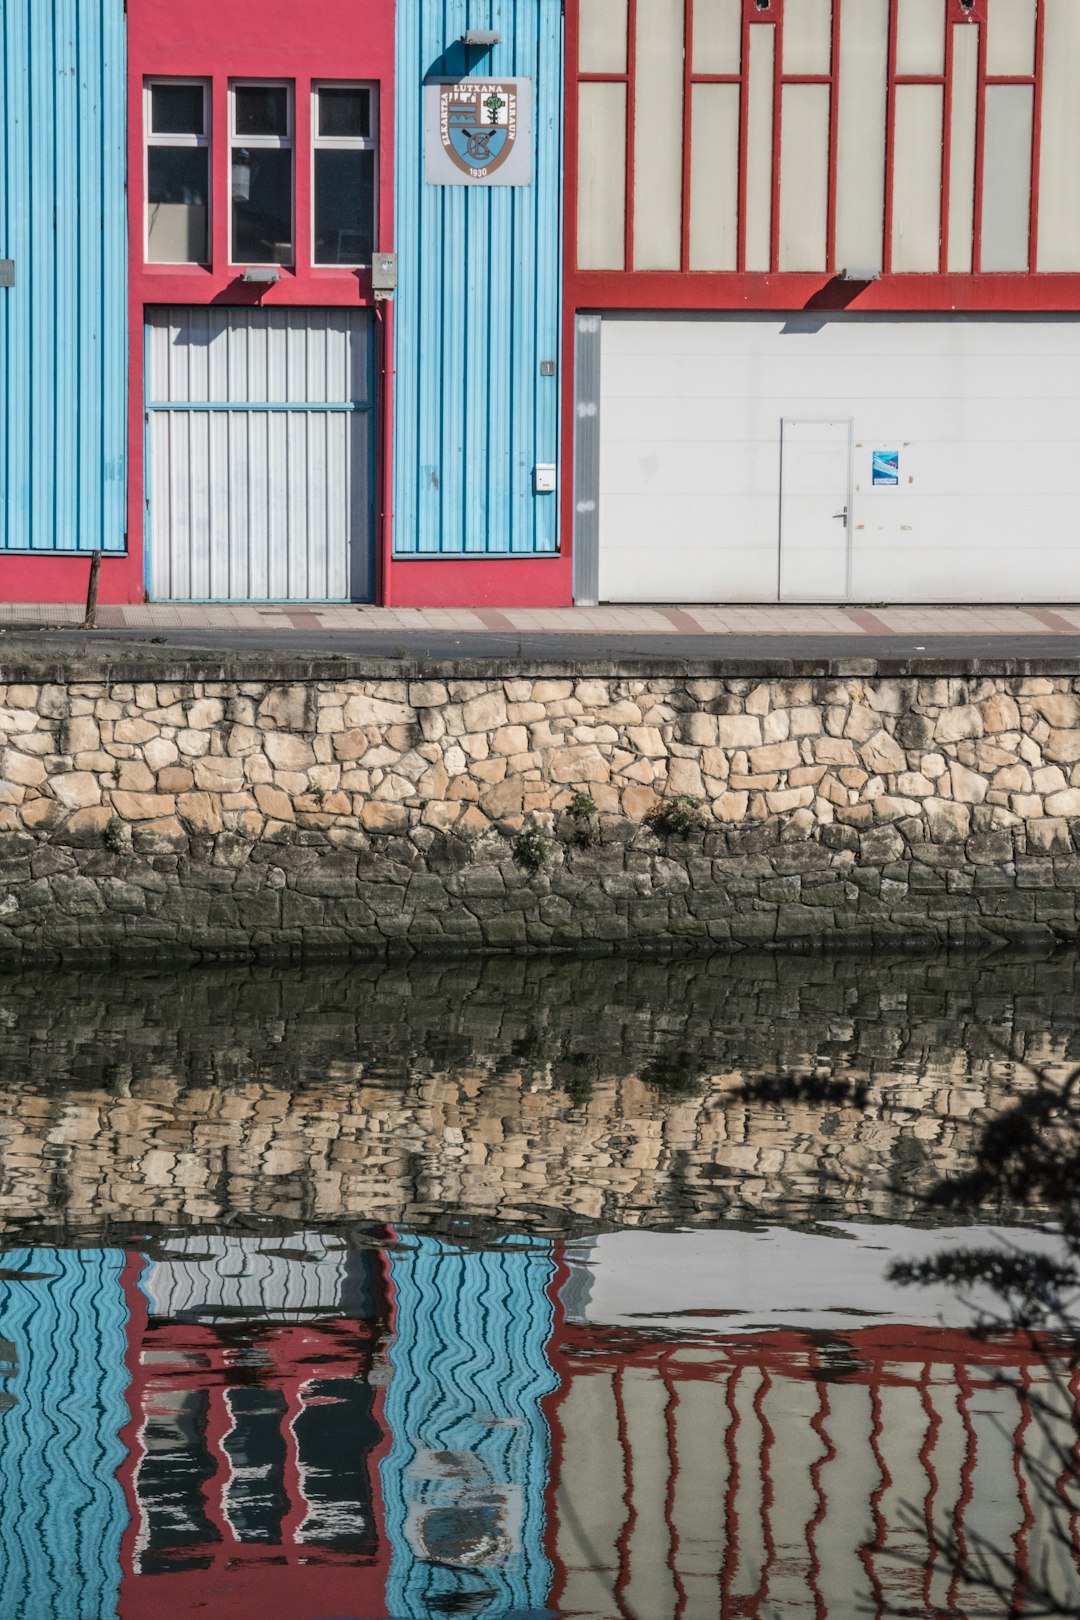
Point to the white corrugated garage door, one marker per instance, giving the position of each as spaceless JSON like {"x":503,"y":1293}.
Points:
{"x":261,"y":454}
{"x":833,"y":458}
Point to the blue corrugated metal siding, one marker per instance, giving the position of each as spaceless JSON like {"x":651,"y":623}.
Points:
{"x":63,"y":345}
{"x":470,"y":1449}
{"x":62,"y":1509}
{"x":478,"y":300}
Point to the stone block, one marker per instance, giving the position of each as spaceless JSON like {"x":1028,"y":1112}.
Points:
{"x":287,"y":752}
{"x":956,"y":724}
{"x":287,"y":708}
{"x":76,"y":790}
{"x":684,"y":777}
{"x":218,"y":774}
{"x":1000,"y":713}
{"x":143,"y":806}
{"x":200,"y":812}
{"x":947,"y":822}
{"x":775,"y":757}
{"x":381,"y":817}
{"x":80,"y":735}
{"x":1064,"y":803}
{"x":135,"y":776}
{"x":23,"y":769}
{"x":967,"y":786}
{"x":738,"y":731}
{"x":427,"y":694}
{"x":1061,"y":711}
{"x":883,"y":753}
{"x":485,"y":713}
{"x":1063,"y":746}
{"x":507,"y":740}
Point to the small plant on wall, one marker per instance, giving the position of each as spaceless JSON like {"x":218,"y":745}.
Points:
{"x":582,"y":812}
{"x":678,"y":816}
{"x":533,"y":846}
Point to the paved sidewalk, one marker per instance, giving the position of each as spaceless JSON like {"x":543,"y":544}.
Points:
{"x":910,"y":623}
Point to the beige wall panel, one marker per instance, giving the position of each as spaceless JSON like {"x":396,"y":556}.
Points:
{"x":962,"y":154}
{"x":804,"y":176}
{"x":760,"y":71}
{"x":602,"y":40}
{"x":1010,"y":39}
{"x":1006,"y":213}
{"x":1059,"y":184}
{"x":717,"y":36}
{"x":808,"y":36}
{"x":920,"y":37}
{"x":658,"y":136}
{"x":602,"y":176}
{"x":714,"y":178}
{"x":917,"y":178}
{"x":860,"y":163}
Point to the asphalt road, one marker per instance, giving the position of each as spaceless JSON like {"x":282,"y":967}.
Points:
{"x":496,"y":644}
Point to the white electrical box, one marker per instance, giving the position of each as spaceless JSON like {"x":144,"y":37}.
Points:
{"x":544,"y":478}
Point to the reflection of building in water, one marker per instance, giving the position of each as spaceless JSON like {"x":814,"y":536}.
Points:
{"x":256,"y":1430}
{"x":63,"y":1322}
{"x":464,"y":1480}
{"x":818,"y":1469}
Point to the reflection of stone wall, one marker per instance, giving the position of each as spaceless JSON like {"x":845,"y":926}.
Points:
{"x":240,"y":814}
{"x":532,"y":1092}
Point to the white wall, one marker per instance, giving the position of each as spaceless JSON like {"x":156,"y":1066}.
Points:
{"x":984,"y":411}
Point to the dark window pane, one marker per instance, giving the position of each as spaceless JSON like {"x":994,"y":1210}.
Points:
{"x":262,"y":109}
{"x":177,"y":198}
{"x":262,"y":206}
{"x":344,"y":113}
{"x":177,"y":109}
{"x":344,"y":206}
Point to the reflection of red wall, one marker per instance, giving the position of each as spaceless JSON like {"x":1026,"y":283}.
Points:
{"x":231,"y":1579}
{"x":878,"y":1359}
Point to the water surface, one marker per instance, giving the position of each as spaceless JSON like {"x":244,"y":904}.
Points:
{"x":526,"y":1288}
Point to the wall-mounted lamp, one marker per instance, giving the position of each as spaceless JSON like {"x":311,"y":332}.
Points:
{"x":481,"y":38}
{"x":258,"y":273}
{"x":859,"y":275}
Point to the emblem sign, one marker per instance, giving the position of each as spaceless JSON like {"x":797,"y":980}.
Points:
{"x":479,"y":132}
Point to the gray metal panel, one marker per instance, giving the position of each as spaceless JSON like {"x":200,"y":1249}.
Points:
{"x":63,"y":325}
{"x":261,"y":454}
{"x":213,"y":1278}
{"x":587,"y":460}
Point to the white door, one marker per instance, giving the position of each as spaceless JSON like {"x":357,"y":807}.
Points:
{"x":260,"y":481}
{"x":815,"y":501}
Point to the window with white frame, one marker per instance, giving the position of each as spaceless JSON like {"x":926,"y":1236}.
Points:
{"x":177,"y":171}
{"x":343,"y":119}
{"x":261,"y":173}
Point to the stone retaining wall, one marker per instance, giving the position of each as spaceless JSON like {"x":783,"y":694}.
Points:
{"x":386,"y":808}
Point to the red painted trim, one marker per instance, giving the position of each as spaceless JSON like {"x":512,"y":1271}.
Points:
{"x":668,"y":290}
{"x":481,"y":581}
{"x":946,"y":149}
{"x":568,"y":381}
{"x":834,"y":138}
{"x":744,"y":144}
{"x":44,"y":576}
{"x":980,"y":154}
{"x":1036,"y":134}
{"x":777,"y":141}
{"x":688,"y":131}
{"x":384,"y":541}
{"x":631,"y":132}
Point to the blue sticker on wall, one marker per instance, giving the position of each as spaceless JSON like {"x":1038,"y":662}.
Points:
{"x":886,"y":466}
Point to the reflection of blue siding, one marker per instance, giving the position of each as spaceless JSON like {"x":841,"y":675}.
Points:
{"x":478,"y":300}
{"x":63,"y":344}
{"x":470,"y":1451}
{"x":62,"y":1510}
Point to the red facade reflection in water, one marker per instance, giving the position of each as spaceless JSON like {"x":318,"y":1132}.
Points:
{"x":826,"y":1473}
{"x":253,"y":1459}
